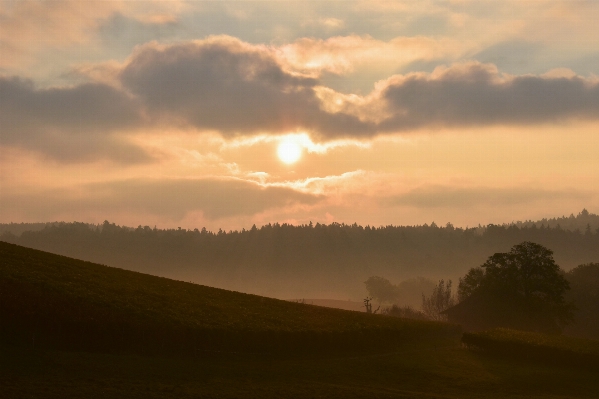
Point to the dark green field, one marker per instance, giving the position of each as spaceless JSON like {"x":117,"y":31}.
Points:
{"x":556,"y":348}
{"x":423,"y":371}
{"x":76,"y":329}
{"x":51,"y":301}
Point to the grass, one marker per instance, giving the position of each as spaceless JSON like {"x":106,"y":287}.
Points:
{"x":422,"y":371}
{"x":59,"y":302}
{"x":93,"y":326}
{"x":561,"y":349}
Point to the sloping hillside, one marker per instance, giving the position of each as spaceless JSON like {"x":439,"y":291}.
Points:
{"x":55,"y":301}
{"x":52,"y":302}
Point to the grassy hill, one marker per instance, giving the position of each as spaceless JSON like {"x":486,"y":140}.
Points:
{"x":52,"y":301}
{"x":125,"y":332}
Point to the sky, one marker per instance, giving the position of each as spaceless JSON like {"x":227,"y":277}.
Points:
{"x":223,"y":114}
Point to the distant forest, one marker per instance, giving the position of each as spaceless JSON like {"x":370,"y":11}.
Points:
{"x":307,"y":261}
{"x":582,"y":222}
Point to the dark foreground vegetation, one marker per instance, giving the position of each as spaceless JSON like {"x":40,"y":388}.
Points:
{"x":308,"y":261}
{"x":74,"y":329}
{"x":522,"y":289}
{"x":50,"y":301}
{"x":422,"y":371}
{"x":531,"y":346}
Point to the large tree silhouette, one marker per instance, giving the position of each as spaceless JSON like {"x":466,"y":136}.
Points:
{"x":523,"y":289}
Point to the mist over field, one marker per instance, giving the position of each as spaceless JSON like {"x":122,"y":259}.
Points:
{"x":314,"y":261}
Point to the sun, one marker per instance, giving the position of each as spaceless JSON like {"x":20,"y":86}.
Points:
{"x":289,"y":151}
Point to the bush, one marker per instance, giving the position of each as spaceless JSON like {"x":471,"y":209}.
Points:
{"x":406,"y":312}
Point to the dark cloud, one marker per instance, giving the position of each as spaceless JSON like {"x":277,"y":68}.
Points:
{"x":72,"y":123}
{"x":235,"y":88}
{"x":232,"y":87}
{"x":174,"y":199}
{"x":477,"y":95}
{"x":436,"y":196}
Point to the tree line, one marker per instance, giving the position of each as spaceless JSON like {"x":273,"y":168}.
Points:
{"x":302,"y":261}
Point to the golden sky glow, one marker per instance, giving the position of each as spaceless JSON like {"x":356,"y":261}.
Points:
{"x":185,"y":114}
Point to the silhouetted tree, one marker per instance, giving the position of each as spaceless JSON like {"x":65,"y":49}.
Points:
{"x":439,"y":300}
{"x":368,"y":306}
{"x":523,"y":289}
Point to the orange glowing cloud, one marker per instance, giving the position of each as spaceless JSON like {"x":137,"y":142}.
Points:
{"x":344,"y":54}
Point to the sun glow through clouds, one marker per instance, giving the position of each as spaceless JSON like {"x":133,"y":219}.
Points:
{"x":289,"y":150}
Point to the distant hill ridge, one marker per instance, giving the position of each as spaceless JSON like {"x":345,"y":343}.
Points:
{"x":307,"y":261}
{"x":581,"y":221}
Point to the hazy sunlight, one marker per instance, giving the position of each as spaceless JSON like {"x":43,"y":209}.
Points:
{"x":289,"y":151}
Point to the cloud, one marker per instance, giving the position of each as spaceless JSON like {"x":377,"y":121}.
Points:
{"x":334,"y":184}
{"x":344,"y":54}
{"x":230,"y":86}
{"x":438,"y":196}
{"x":39,"y":38}
{"x":475,"y":94}
{"x":43,"y":24}
{"x":329,"y":24}
{"x":222,"y":84}
{"x":171,"y":198}
{"x":235,"y":88}
{"x":70,"y":123}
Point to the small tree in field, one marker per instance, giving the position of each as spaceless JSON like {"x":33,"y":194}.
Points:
{"x":440,"y":299}
{"x":368,"y":306}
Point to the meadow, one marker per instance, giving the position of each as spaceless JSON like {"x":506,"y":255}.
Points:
{"x":559,"y":349}
{"x":70,"y":328}
{"x":423,"y":370}
{"x":57,"y":302}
